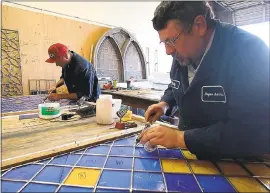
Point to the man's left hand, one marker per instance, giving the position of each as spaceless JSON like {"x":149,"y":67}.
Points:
{"x":54,"y":97}
{"x":165,"y":136}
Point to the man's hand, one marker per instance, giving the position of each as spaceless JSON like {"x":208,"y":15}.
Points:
{"x":154,"y":112}
{"x":165,"y":136}
{"x":54,"y":97}
{"x":52,"y":89}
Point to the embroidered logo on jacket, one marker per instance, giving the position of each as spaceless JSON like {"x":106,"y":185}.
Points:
{"x":175,"y":84}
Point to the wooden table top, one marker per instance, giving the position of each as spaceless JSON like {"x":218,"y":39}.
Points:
{"x":146,"y":94}
{"x":26,"y":139}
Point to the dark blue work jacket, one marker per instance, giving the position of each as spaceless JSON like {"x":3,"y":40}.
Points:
{"x":80,"y":77}
{"x":225,"y":109}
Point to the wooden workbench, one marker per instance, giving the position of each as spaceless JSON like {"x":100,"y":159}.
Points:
{"x":27,"y":139}
{"x":136,"y":98}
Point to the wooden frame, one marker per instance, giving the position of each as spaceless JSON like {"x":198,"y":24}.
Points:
{"x":76,"y":145}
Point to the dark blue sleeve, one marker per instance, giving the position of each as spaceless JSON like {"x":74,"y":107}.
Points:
{"x":86,"y":86}
{"x":246,"y":133}
{"x":168,"y":96}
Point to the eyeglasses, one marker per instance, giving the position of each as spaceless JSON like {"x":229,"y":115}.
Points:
{"x":171,"y":42}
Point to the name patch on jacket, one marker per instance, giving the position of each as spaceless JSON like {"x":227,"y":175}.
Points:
{"x":175,"y":84}
{"x":213,"y":94}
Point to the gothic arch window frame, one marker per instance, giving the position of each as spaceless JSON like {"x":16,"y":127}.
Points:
{"x":121,"y":50}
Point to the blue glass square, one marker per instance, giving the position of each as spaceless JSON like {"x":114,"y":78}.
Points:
{"x":92,"y":161}
{"x":52,"y":174}
{"x":74,"y":189}
{"x":140,"y":152}
{"x":125,"y":142}
{"x":69,"y":159}
{"x":124,"y":151}
{"x":111,"y":190}
{"x":148,"y":181}
{"x":34,"y":187}
{"x":23,"y":173}
{"x":181,"y":183}
{"x":8,"y":186}
{"x":214,"y":184}
{"x":170,"y":153}
{"x":119,"y":163}
{"x":115,"y":179}
{"x":103,"y":150}
{"x":147,"y":164}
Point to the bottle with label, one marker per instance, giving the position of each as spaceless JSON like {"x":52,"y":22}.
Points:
{"x":104,"y":110}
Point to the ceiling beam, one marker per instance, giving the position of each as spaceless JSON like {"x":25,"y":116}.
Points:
{"x":224,"y":5}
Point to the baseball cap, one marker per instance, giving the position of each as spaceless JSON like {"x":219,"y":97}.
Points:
{"x":56,"y":50}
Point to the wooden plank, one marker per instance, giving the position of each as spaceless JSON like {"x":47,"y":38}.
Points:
{"x":142,"y":98}
{"x":19,"y":112}
{"x":32,"y":139}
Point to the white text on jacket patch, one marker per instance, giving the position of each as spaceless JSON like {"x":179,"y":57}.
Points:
{"x":214,"y":94}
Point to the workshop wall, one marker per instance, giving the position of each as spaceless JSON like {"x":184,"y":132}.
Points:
{"x":37,"y":31}
{"x":132,"y":16}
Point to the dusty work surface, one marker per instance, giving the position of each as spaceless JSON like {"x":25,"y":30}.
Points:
{"x":136,"y":98}
{"x":21,"y":104}
{"x":31,"y":138}
{"x":148,"y":94}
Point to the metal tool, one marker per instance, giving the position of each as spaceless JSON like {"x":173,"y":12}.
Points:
{"x":121,"y":113}
{"x":66,"y":116}
{"x":47,"y":96}
{"x":86,"y":108}
{"x":138,"y":139}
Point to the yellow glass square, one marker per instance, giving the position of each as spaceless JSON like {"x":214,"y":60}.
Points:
{"x":175,"y":166}
{"x":83,"y":177}
{"x":258,"y":169}
{"x":203,"y":167}
{"x":230,"y":168}
{"x":247,"y":184}
{"x":266,"y":182}
{"x":189,"y":155}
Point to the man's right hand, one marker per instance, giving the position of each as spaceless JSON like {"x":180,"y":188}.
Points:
{"x":154,"y":112}
{"x":52,"y":89}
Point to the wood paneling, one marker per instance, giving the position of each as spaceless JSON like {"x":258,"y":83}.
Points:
{"x":37,"y":31}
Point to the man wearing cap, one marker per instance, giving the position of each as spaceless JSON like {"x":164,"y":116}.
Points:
{"x":224,"y":109}
{"x":77,"y":74}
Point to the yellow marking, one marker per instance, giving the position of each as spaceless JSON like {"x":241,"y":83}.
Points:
{"x":258,"y":169}
{"x":247,"y":184}
{"x":175,"y":166}
{"x":83,"y":177}
{"x":230,"y":168}
{"x":203,"y":167}
{"x":266,"y":182}
{"x":189,"y":155}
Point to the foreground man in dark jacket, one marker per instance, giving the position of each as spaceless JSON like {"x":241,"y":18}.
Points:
{"x":224,"y":108}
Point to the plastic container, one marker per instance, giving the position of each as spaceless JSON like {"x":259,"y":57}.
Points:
{"x":105,"y":110}
{"x":49,"y":110}
{"x":117,"y":105}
